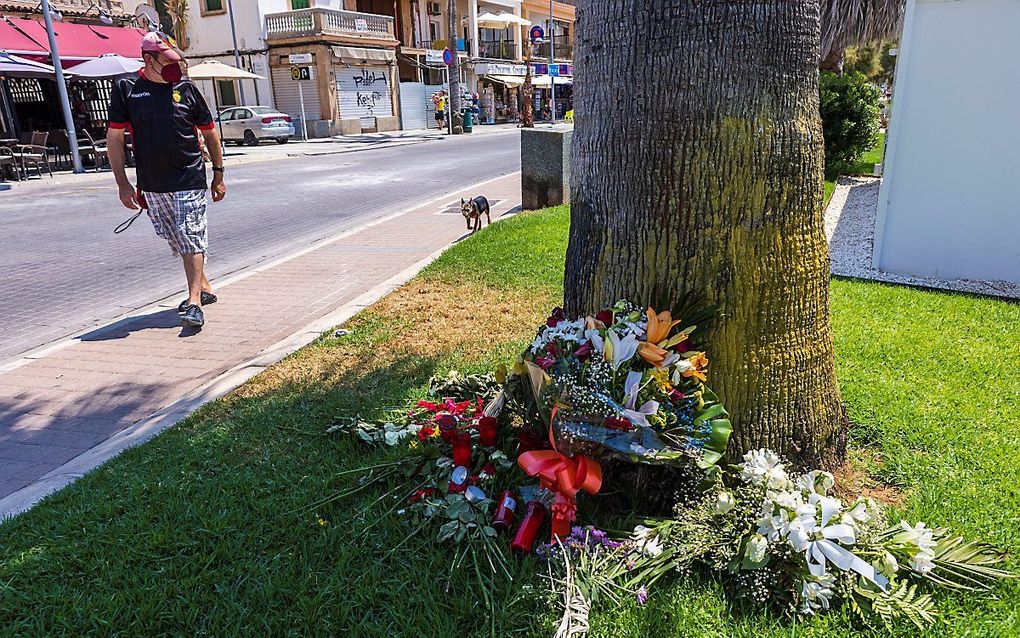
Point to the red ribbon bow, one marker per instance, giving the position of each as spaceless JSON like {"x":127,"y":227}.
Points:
{"x":565,"y":477}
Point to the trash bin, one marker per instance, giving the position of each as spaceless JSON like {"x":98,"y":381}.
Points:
{"x":468,"y":121}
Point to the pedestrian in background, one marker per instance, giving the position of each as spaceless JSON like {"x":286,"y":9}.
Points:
{"x":439,"y":100}
{"x":167,"y":115}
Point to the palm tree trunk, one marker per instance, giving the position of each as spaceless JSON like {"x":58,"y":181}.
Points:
{"x":455,"y":92}
{"x":697,"y":167}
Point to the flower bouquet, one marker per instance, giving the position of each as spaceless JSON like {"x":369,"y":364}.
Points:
{"x":625,"y":383}
{"x":782,"y":540}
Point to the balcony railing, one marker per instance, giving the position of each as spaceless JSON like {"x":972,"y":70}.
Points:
{"x":497,"y":50}
{"x":328,"y":22}
{"x":563,"y":49}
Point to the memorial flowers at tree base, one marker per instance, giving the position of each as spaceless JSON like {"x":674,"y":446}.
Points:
{"x":505,"y":463}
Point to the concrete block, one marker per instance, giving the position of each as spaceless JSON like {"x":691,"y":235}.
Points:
{"x":391,"y":123}
{"x":545,"y":166}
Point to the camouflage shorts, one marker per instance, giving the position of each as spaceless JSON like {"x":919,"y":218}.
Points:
{"x":180,"y":219}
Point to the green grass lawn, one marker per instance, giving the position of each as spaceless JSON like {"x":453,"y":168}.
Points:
{"x":202,"y":530}
{"x":864,"y":166}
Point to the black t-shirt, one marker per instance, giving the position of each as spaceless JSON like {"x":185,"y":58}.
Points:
{"x":164,"y":120}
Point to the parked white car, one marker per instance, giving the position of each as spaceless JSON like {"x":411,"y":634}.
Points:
{"x":252,"y":124}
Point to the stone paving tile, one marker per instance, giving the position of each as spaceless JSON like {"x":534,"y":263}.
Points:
{"x":60,"y":405}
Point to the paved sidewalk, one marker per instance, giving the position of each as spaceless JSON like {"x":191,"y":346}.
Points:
{"x":79,"y":394}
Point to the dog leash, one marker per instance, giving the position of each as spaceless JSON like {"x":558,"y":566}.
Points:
{"x":124,"y":225}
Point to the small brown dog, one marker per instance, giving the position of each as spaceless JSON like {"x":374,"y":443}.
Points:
{"x":473,"y":209}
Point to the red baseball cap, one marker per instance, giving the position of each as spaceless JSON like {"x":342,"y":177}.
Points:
{"x":154,"y":43}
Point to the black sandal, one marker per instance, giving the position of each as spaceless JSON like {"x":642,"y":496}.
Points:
{"x":206,"y":299}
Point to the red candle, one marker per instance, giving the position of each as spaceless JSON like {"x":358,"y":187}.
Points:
{"x":487,"y":431}
{"x":447,"y":427}
{"x":503,"y":518}
{"x":462,"y":449}
{"x":524,"y":539}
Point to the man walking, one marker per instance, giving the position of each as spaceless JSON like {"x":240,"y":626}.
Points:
{"x":165,"y":113}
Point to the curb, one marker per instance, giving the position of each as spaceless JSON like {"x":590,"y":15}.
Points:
{"x":169,"y":415}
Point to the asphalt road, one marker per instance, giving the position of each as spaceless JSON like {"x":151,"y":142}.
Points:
{"x":62,"y":269}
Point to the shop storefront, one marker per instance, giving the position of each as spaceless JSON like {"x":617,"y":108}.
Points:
{"x":499,"y":87}
{"x":33,"y":104}
{"x":345,"y":90}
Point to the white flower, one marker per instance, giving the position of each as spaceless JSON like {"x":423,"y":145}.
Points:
{"x":646,"y":542}
{"x":756,"y":548}
{"x":801,"y":529}
{"x":922,"y":562}
{"x":864,"y":510}
{"x":572,"y":331}
{"x":620,"y":350}
{"x":724,"y":502}
{"x":764,"y":467}
{"x":597,"y":342}
{"x":816,"y":593}
{"x":817,"y":481}
{"x":919,"y":535}
{"x":682,"y":365}
{"x":778,"y":510}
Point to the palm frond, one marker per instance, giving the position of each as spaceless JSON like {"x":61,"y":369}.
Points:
{"x":847,"y":23}
{"x":961,"y":564}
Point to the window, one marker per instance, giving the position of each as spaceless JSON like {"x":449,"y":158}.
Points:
{"x":300,"y":4}
{"x":228,"y":96}
{"x":211,"y":7}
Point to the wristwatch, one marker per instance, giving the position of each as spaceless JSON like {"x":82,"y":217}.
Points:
{"x":217,"y":169}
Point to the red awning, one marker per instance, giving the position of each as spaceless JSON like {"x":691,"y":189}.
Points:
{"x":16,"y":42}
{"x":79,"y":42}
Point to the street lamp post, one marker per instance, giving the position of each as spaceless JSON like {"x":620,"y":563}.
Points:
{"x":552,"y":78}
{"x":65,"y":103}
{"x":237,"y":53}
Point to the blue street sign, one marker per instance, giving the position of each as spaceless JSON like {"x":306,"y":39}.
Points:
{"x":554,"y":70}
{"x":537,"y":33}
{"x":447,"y":57}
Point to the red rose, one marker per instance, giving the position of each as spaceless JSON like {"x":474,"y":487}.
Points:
{"x":583,"y":351}
{"x":417,"y":496}
{"x":545,"y":362}
{"x":606,"y":317}
{"x":552,"y":349}
{"x":556,"y":317}
{"x":683,"y":346}
{"x":489,"y":469}
{"x":426,"y":432}
{"x":676,"y":396}
{"x":616,"y":423}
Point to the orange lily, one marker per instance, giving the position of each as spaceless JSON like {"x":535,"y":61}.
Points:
{"x":652,"y":353}
{"x":659,"y":326}
{"x":698,"y":364}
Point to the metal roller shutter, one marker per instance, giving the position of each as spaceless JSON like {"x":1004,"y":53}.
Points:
{"x":413,"y":106}
{"x":364,"y":92}
{"x":285,"y":92}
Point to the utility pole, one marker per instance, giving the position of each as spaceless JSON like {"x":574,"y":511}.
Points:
{"x":552,"y":78}
{"x":65,"y":103}
{"x":456,"y":121}
{"x":527,"y":89}
{"x":237,"y":53}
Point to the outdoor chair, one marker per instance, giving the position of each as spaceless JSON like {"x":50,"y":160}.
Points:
{"x":87,"y":145}
{"x":9,"y":163}
{"x":34,"y":153}
{"x":60,"y":149}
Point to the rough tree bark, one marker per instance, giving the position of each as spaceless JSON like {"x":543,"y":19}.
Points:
{"x":457,"y":119}
{"x":697,"y":167}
